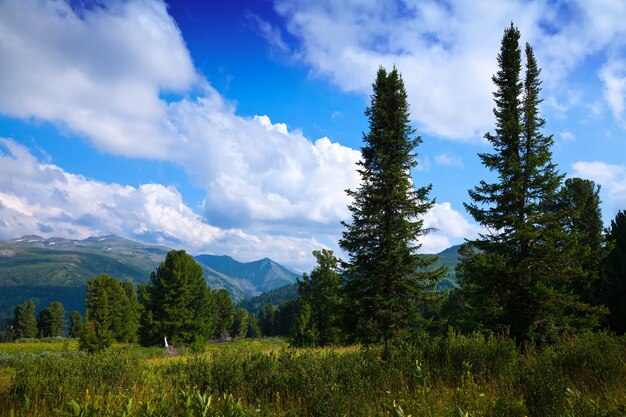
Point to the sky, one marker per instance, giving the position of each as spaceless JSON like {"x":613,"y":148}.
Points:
{"x":234,"y":127}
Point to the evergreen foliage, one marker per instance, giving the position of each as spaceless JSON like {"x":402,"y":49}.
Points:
{"x":52,"y":321}
{"x":24,"y":322}
{"x":176,"y":303}
{"x":240,"y":324}
{"x":318,"y":321}
{"x":121,"y":312}
{"x":517,"y":275}
{"x":76,"y":323}
{"x":613,"y":291}
{"x":386,"y":280}
{"x":96,"y":334}
{"x":268,"y":321}
{"x":225,"y":313}
{"x":583,"y":223}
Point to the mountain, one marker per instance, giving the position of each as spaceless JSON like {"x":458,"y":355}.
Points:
{"x":251,"y":278}
{"x":57,"y":269}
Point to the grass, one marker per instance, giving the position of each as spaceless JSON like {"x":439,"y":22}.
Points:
{"x":456,"y":376}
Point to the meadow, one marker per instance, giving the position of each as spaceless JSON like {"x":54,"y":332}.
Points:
{"x":456,"y":375}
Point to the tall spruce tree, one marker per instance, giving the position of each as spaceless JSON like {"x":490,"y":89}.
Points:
{"x":517,"y":275}
{"x":613,"y":293}
{"x":76,"y":323}
{"x":386,"y":279}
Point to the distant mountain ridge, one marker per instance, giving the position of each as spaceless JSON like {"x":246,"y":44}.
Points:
{"x":57,"y":269}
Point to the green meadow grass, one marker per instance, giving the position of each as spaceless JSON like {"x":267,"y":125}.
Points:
{"x":456,"y":376}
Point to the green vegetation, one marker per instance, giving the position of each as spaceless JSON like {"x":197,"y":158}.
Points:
{"x":386,"y":281}
{"x":519,"y":275}
{"x":177,"y":302}
{"x":421,"y":375}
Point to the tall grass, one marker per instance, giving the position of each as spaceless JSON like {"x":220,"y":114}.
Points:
{"x":456,"y":375}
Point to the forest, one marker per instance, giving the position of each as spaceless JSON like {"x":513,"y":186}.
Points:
{"x":535,"y":326}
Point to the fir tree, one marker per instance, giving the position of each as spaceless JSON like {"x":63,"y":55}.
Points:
{"x":225,"y":313}
{"x":76,"y":323}
{"x":613,"y":291}
{"x":583,"y":223}
{"x":51,"y":320}
{"x":319,"y":302}
{"x":96,"y":334}
{"x":386,"y":280}
{"x":240,"y":324}
{"x":24,"y":322}
{"x":178,"y":302}
{"x":123,"y":321}
{"x":517,"y":275}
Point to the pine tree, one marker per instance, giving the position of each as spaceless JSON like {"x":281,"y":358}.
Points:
{"x":583,"y":223}
{"x":517,"y":275}
{"x":76,"y":323}
{"x":319,"y":302}
{"x":225,"y":313}
{"x":123,"y":319}
{"x":24,"y":322}
{"x":613,"y":291}
{"x":130,"y":313}
{"x":51,"y":320}
{"x":239,"y":327}
{"x":96,"y":334}
{"x":178,"y":303}
{"x":386,"y":280}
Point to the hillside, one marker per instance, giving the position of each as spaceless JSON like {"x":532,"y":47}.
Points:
{"x":57,"y":269}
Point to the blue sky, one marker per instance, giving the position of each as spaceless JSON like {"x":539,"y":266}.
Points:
{"x":234,"y":127}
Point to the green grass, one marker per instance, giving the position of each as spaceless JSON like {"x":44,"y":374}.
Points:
{"x":454,"y":376}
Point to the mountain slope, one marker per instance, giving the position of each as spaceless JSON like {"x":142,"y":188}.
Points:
{"x":57,"y":269}
{"x":252,"y":278}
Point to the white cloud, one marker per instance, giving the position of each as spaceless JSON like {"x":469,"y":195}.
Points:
{"x":567,"y":136}
{"x":271,"y":33}
{"x":100,"y":73}
{"x":451,"y":227}
{"x":43,"y":199}
{"x":449,"y":159}
{"x":447,"y":51}
{"x":613,"y":76}
{"x":611,"y":177}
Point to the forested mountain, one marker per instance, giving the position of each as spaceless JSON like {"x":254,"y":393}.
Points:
{"x":57,"y":269}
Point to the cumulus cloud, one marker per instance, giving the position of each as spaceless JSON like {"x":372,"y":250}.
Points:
{"x":611,"y":177}
{"x":447,"y":50}
{"x":44,"y":199}
{"x":100,"y":72}
{"x":451,"y":228}
{"x":613,"y":76}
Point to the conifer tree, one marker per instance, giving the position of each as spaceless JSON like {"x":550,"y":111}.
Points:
{"x":225,"y":313}
{"x":96,"y":334}
{"x":319,"y":302}
{"x":583,"y":223}
{"x":51,"y":320}
{"x":24,"y":322}
{"x":123,"y":320}
{"x":386,"y":280}
{"x":614,"y":286}
{"x":76,"y":323}
{"x":178,"y":305}
{"x":517,"y":275}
